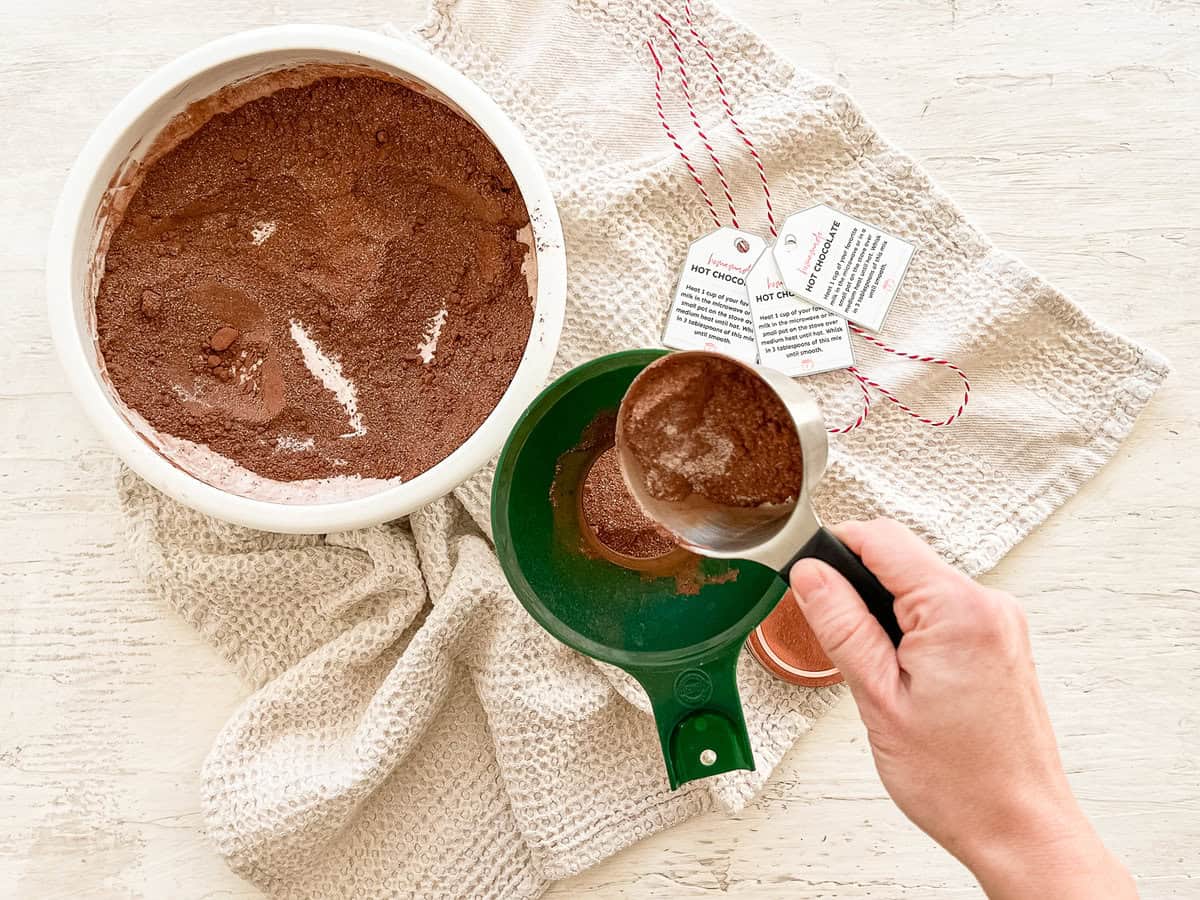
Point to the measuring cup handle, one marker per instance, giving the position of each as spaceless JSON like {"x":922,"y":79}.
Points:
{"x":699,"y":716}
{"x":825,"y":546}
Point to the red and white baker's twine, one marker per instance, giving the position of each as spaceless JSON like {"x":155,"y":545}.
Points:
{"x":753,"y":151}
{"x":662,"y":117}
{"x":863,"y":381}
{"x":933,"y":360}
{"x":687,"y":96}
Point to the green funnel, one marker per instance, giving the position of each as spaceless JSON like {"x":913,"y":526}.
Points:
{"x":682,"y":649}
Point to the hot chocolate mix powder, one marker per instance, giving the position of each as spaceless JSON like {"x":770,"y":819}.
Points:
{"x":324,"y":281}
{"x":707,"y":425}
{"x":608,"y":511}
{"x":614,"y":516}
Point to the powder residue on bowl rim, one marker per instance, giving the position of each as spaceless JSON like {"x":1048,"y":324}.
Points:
{"x":706,"y":425}
{"x":328,"y":281}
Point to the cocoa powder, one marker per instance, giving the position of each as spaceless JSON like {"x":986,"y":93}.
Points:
{"x":614,"y":516}
{"x":324,"y":281}
{"x":590,"y":472}
{"x":707,"y":425}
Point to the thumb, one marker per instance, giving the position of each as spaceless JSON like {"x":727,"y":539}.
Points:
{"x":847,"y":632}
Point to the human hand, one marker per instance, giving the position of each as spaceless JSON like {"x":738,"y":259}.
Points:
{"x":956,"y":719}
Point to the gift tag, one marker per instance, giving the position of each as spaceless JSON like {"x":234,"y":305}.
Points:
{"x":710,"y":310}
{"x":842,"y":264}
{"x":793,"y":337}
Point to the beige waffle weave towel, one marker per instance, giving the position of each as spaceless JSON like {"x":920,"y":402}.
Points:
{"x":410,"y":731}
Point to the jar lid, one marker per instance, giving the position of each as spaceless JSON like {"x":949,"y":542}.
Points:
{"x":787,"y":648}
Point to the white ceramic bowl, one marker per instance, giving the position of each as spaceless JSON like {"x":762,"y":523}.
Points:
{"x":126,"y":134}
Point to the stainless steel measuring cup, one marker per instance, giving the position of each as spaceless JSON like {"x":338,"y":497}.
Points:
{"x":774,"y":535}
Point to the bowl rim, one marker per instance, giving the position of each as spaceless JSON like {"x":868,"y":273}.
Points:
{"x":388,"y":503}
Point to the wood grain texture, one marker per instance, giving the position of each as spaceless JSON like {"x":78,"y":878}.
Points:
{"x":1066,"y":130}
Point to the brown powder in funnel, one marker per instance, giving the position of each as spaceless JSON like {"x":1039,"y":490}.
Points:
{"x":324,"y":281}
{"x":707,"y":425}
{"x":589,"y":493}
{"x":614,"y":516}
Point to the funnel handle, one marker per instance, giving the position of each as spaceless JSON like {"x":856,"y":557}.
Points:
{"x":825,"y":546}
{"x":699,"y":716}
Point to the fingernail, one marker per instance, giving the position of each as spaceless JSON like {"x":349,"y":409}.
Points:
{"x":814,"y":582}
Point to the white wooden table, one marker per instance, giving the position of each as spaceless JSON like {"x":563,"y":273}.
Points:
{"x":1068,"y":131}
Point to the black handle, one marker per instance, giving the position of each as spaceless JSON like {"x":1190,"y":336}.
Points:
{"x":826,"y":547}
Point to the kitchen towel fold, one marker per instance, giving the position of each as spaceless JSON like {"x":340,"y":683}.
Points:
{"x":411,"y":732}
